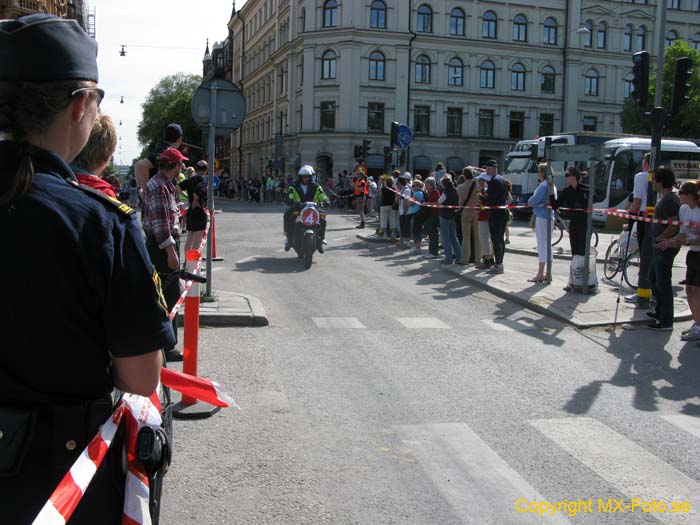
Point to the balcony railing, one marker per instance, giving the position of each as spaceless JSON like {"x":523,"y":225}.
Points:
{"x":54,"y":7}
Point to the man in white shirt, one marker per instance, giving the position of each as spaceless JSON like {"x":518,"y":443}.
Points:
{"x":639,"y":204}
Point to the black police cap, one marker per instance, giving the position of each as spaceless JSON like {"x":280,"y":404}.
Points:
{"x":42,"y":48}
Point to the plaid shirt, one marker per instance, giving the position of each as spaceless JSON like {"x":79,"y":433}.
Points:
{"x":160,"y":211}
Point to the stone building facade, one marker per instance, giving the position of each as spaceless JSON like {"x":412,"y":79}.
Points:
{"x":469,"y":77}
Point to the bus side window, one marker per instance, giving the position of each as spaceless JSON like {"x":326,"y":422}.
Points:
{"x":622,"y":178}
{"x":602,"y":174}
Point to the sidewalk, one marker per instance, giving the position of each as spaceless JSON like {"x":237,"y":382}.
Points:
{"x":231,"y":309}
{"x":579,"y":310}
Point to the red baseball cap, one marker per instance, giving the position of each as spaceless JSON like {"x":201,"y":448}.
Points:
{"x":172,"y":155}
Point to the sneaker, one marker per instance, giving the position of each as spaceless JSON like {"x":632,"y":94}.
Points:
{"x":631,"y":299}
{"x":360,"y":226}
{"x":689,"y":329}
{"x":483,"y":266}
{"x":660,"y":327}
{"x":692,"y":335}
{"x":173,"y":355}
{"x":431,"y":256}
{"x":496,"y":269}
{"x":287,"y":245}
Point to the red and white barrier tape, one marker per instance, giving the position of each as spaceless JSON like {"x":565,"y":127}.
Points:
{"x":188,"y":284}
{"x":136,"y":411}
{"x":609,"y":211}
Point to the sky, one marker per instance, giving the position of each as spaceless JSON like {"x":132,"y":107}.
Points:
{"x":173,"y":34}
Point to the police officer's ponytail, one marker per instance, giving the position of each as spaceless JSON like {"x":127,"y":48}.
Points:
{"x":26,"y":108}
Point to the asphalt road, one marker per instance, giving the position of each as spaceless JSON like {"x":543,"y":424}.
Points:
{"x":388,"y":391}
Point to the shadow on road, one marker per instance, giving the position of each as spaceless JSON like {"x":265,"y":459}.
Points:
{"x":280,"y":264}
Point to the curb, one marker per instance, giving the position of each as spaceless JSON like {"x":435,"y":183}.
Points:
{"x":560,"y":256}
{"x":546,"y":311}
{"x":256,"y":317}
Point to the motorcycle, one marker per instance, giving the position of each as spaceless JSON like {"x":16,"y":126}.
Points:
{"x":307,"y":227}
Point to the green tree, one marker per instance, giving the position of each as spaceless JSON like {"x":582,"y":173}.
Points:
{"x":170,"y":101}
{"x":687,"y":123}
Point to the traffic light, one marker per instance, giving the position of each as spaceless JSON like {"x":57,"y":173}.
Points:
{"x":640,"y":81}
{"x":357,"y":154}
{"x":394,"y":134}
{"x":681,"y":84}
{"x":366,"y":146}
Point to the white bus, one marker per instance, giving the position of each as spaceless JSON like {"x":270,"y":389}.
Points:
{"x":614,"y":178}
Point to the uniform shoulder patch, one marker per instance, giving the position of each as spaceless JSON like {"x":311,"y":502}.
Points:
{"x":111,"y":201}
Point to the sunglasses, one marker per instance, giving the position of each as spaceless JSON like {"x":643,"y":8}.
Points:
{"x":100,"y":93}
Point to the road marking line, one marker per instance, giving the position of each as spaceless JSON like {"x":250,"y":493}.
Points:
{"x":477,"y":483}
{"x":421,"y":322}
{"x":247,"y":259}
{"x":688,"y":423}
{"x":635,"y":472}
{"x":338,"y":322}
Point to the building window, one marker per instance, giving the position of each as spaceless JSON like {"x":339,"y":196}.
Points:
{"x":520,"y":28}
{"x":425,"y":19}
{"x":454,"y":122}
{"x":421,"y":119}
{"x":548,"y":80}
{"x":672,"y":4}
{"x":695,"y":42}
{"x":375,"y":117}
{"x":546,"y":124}
{"x":517,"y":78}
{"x":422,"y":70}
{"x":517,"y":125}
{"x":376,"y":66}
{"x":627,"y":38}
{"x":550,"y":31}
{"x":455,"y":72}
{"x":694,"y":5}
{"x":641,"y":38}
{"x":602,"y":36}
{"x":327,"y":116}
{"x":590,"y":123}
{"x":590,"y":86}
{"x":330,"y":13}
{"x":627,"y":86}
{"x":489,"y":25}
{"x":587,"y":38}
{"x":457,"y":22}
{"x":488,"y":75}
{"x":671,"y":37}
{"x":377,"y":15}
{"x":486,"y":123}
{"x":328,"y":65}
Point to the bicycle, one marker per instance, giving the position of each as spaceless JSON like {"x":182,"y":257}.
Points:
{"x":614,"y":263}
{"x":561,"y":225}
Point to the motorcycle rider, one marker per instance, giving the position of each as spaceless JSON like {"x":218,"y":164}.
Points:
{"x":303,"y":190}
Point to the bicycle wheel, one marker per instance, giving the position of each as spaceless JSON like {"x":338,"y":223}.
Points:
{"x":631,"y":270}
{"x":557,"y":234}
{"x":613,"y":258}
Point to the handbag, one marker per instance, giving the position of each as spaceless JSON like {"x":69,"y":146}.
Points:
{"x":17,"y":426}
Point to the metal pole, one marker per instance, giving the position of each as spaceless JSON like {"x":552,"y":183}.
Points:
{"x":589,"y":224}
{"x":547,"y":159}
{"x":210,"y":181}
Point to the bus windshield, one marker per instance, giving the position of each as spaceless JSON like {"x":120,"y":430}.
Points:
{"x":515,"y":164}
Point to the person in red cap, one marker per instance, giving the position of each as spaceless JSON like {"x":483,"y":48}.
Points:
{"x":162,"y":226}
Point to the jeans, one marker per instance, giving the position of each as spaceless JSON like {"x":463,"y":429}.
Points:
{"x":448,"y":231}
{"x":660,"y":277}
{"x":498,"y":220}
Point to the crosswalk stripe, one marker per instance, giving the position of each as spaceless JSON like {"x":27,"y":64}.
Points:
{"x":421,"y":322}
{"x":688,"y":423}
{"x":338,"y":322}
{"x":478,"y":484}
{"x":635,"y":472}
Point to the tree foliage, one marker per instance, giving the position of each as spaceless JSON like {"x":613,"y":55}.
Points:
{"x":687,"y":123}
{"x":170,"y":101}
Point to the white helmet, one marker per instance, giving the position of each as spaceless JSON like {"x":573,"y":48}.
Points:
{"x":306,"y":171}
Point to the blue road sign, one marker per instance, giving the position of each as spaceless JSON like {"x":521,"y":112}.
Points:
{"x":217,"y":181}
{"x":405,"y":136}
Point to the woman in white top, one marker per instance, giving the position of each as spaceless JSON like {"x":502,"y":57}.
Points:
{"x":689,"y":235}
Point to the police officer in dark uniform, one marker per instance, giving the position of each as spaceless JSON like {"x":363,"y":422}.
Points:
{"x":82,"y":309}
